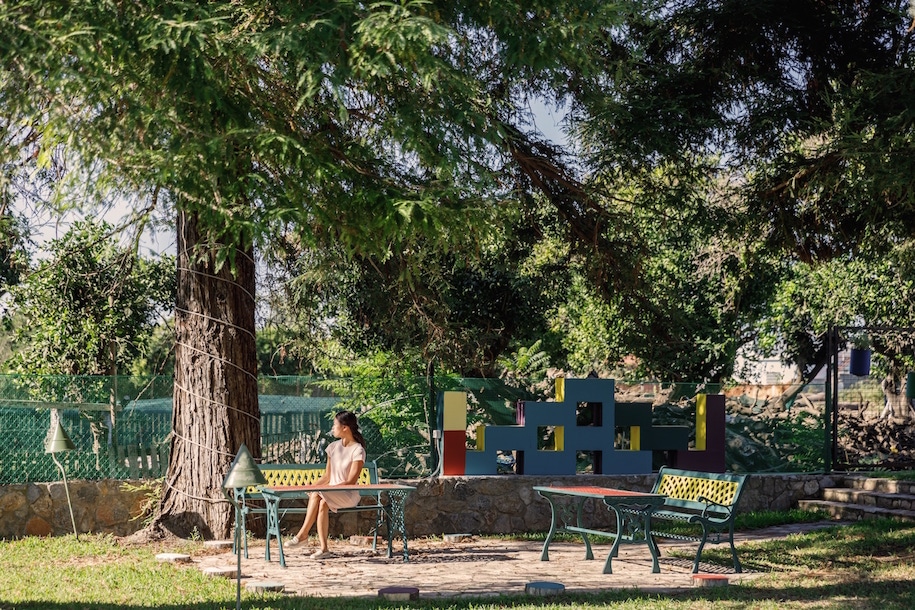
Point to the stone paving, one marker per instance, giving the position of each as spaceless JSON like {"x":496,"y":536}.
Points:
{"x":471,"y":567}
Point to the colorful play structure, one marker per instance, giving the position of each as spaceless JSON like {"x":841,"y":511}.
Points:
{"x":583,"y":420}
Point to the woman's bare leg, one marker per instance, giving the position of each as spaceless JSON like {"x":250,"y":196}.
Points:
{"x":311,"y":514}
{"x":323,"y":521}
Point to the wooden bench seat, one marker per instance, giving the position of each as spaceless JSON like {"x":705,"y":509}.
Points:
{"x":706,"y":500}
{"x":287,"y":475}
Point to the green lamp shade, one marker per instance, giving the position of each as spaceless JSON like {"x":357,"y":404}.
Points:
{"x":58,"y":441}
{"x":244,"y":471}
{"x":910,"y":385}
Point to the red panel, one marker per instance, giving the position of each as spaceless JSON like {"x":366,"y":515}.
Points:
{"x":453,"y":452}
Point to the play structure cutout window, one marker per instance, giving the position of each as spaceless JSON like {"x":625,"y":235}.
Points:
{"x":589,"y":414}
{"x":506,"y":462}
{"x":549,"y":438}
{"x":589,"y":462}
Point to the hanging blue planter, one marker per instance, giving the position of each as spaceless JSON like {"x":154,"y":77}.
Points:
{"x":860,"y":362}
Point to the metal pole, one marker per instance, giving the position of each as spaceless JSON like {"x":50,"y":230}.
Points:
{"x":831,"y":360}
{"x":238,"y":557}
{"x":63,"y":473}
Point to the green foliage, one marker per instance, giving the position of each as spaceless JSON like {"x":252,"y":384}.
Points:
{"x":14,"y":258}
{"x":392,"y":404}
{"x":151,"y":491}
{"x":88,"y":307}
{"x":526,"y":363}
{"x":860,"y":292}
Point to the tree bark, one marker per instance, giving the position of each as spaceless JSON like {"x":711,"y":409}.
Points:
{"x":215,"y":397}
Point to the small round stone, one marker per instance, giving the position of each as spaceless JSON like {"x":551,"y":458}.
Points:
{"x":264,"y":586}
{"x":173,"y":557}
{"x":544,"y":588}
{"x":399,"y":594}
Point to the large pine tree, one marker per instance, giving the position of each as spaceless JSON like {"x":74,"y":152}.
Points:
{"x":369,"y":125}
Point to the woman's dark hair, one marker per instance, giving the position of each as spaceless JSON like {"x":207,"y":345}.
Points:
{"x":348,"y":419}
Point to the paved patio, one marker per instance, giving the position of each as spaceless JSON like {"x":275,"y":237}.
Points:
{"x":471,"y":567}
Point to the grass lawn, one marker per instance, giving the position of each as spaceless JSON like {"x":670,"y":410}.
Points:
{"x":866,"y":565}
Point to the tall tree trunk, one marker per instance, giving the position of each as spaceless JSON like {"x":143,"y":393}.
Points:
{"x":215,"y":396}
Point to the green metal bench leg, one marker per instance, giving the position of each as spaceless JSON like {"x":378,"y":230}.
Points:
{"x":699,"y":550}
{"x":379,"y":517}
{"x":737,"y":567}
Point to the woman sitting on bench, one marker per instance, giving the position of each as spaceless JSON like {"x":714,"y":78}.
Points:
{"x":345,"y":458}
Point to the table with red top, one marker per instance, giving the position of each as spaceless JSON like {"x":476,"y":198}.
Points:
{"x":393,"y":508}
{"x":632,"y":509}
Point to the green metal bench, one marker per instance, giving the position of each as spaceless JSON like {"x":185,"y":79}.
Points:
{"x":706,"y":500}
{"x":286,"y":475}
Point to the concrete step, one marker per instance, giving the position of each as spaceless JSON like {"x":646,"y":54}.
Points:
{"x":855,"y":512}
{"x":880,"y":485}
{"x":879,"y":499}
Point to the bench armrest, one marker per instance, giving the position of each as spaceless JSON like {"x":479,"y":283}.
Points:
{"x":709,"y":503}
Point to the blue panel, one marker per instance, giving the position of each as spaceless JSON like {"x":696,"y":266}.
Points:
{"x":549,"y":414}
{"x":667,"y":438}
{"x":549,"y":462}
{"x":627,"y":462}
{"x":511,"y":438}
{"x":633,"y":414}
{"x":590,"y":390}
{"x":578,"y":438}
{"x":590,"y":438}
{"x":480,"y":462}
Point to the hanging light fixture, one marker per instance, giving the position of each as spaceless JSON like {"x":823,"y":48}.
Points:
{"x":242,"y":473}
{"x":59,"y":442}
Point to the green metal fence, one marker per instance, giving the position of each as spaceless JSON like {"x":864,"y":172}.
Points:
{"x":766,"y":432}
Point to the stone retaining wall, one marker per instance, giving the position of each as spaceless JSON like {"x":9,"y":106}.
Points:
{"x":473,"y":505}
{"x":40,"y":509}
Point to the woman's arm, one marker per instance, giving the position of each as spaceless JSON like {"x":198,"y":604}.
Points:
{"x":324,"y":479}
{"x":355,"y":469}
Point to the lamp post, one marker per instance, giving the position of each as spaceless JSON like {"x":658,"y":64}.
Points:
{"x":242,"y":473}
{"x":58,"y":442}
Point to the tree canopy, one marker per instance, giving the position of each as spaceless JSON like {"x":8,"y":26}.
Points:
{"x":385,"y":154}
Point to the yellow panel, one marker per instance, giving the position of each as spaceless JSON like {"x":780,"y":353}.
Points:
{"x":299,"y":476}
{"x":559,"y":435}
{"x":560,"y":389}
{"x":454,"y":406}
{"x":692,"y":488}
{"x":701,"y":422}
{"x":481,"y":438}
{"x":635,"y":438}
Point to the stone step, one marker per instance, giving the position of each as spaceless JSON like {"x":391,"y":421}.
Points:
{"x":879,"y":499}
{"x":880,"y":485}
{"x":855,"y":512}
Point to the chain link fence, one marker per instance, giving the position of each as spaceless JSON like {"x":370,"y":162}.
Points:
{"x":768,"y":428}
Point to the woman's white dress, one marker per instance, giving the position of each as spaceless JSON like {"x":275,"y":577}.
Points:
{"x":340,"y":459}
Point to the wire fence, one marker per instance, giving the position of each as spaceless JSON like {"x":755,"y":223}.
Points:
{"x":121,"y":426}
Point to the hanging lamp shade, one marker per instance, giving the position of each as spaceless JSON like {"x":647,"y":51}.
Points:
{"x":859,"y":363}
{"x":244,"y":471}
{"x":58,"y":441}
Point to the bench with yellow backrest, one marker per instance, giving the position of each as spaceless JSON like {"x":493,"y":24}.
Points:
{"x":290,"y":475}
{"x":706,"y":500}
